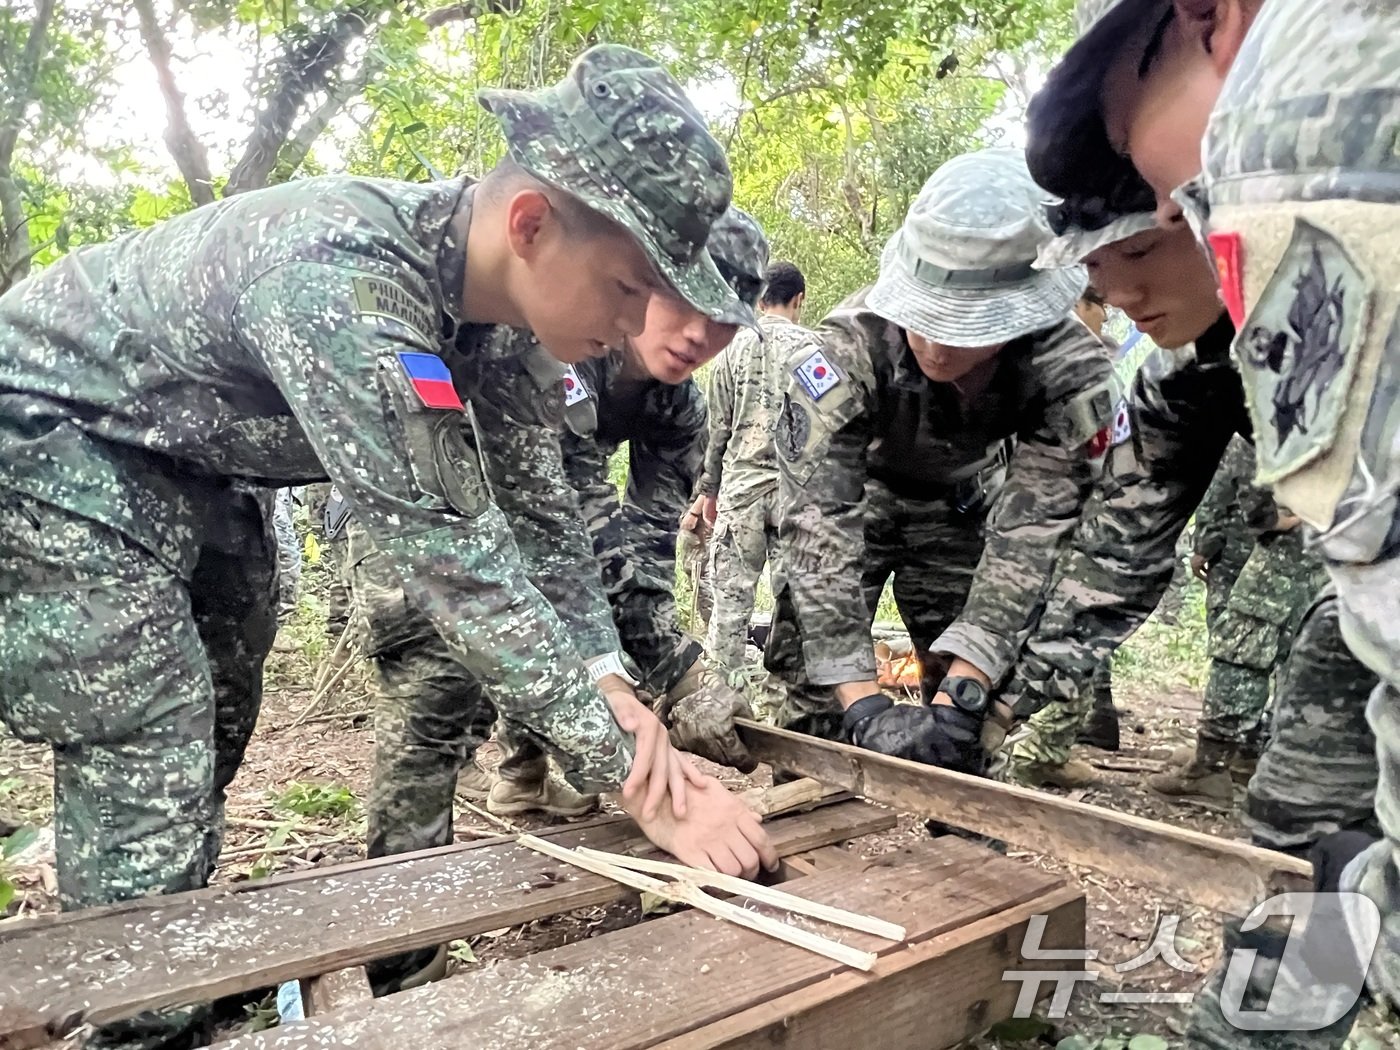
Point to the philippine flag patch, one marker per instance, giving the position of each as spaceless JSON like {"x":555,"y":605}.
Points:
{"x":431,"y":380}
{"x":817,"y":375}
{"x":574,"y":390}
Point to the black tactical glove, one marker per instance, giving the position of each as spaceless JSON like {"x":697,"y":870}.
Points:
{"x":941,"y":735}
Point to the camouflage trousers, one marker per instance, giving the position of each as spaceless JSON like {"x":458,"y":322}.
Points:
{"x":145,"y":679}
{"x":1252,"y":635}
{"x":931,"y":551}
{"x":1317,"y":775}
{"x":288,"y":554}
{"x":1050,"y":733}
{"x":743,"y":541}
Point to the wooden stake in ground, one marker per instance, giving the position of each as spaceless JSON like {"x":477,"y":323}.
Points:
{"x":1229,"y":877}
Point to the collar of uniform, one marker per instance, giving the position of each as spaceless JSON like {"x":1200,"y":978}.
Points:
{"x":1213,"y":347}
{"x":452,"y":249}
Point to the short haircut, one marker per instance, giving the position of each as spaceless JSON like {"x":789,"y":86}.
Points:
{"x":782,"y":283}
{"x":577,"y":218}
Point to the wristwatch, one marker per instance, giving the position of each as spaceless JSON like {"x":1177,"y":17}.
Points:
{"x":609,"y":663}
{"x":967,"y":694}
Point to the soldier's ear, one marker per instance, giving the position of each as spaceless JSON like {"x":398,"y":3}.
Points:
{"x":528,"y":214}
{"x":1218,"y":27}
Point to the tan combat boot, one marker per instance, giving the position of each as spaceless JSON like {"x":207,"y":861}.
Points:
{"x":473,"y":782}
{"x":530,"y":789}
{"x":1206,"y":776}
{"x":1076,"y":773}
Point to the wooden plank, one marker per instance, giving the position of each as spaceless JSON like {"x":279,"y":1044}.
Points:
{"x":1230,"y":877}
{"x":335,"y":990}
{"x":934,"y":995}
{"x":199,"y":946}
{"x":636,"y":987}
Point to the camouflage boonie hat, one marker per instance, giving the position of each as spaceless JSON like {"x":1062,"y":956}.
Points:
{"x":1076,"y":244}
{"x":960,"y":270}
{"x":740,"y":250}
{"x":618,"y":133}
{"x":1067,"y":145}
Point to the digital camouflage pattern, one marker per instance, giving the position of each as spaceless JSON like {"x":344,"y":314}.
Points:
{"x":91,"y":625}
{"x":741,"y":470}
{"x":883,"y":463}
{"x":619,"y":132}
{"x":333,"y":554}
{"x":634,"y":534}
{"x":288,"y":555}
{"x":1300,"y":183}
{"x":287,"y":361}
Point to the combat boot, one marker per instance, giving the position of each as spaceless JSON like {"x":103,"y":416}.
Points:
{"x":401,"y":973}
{"x":1101,"y":730}
{"x":1076,"y":773}
{"x":1206,"y":776}
{"x":474,"y":782}
{"x":530,"y":789}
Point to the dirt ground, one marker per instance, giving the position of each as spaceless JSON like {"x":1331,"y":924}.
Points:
{"x":297,"y":802}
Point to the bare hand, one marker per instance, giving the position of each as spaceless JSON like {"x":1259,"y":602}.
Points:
{"x":1200,"y":568}
{"x":719,"y":832}
{"x":658,"y":769}
{"x":709,"y":509}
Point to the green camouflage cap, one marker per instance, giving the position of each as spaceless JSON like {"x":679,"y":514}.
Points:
{"x":619,"y":133}
{"x":1067,"y":146}
{"x":740,"y":250}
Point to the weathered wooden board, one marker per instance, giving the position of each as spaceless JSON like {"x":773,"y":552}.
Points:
{"x":199,"y":946}
{"x":682,"y":973}
{"x":1231,"y":877}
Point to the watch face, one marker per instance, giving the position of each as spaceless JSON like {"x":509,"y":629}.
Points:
{"x":969,"y":694}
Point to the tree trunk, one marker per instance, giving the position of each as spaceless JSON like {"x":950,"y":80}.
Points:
{"x":189,"y":153}
{"x":15,"y":252}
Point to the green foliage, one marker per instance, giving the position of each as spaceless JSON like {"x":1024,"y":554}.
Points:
{"x":1161,"y":656}
{"x":11,"y":846}
{"x":314,"y":801}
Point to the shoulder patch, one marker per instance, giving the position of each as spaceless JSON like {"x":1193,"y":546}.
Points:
{"x":817,"y":375}
{"x":574,"y":390}
{"x":381,"y":297}
{"x":1122,"y":423}
{"x":430,"y":379}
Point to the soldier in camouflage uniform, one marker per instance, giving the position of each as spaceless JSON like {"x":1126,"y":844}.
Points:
{"x":329,"y":517}
{"x":1290,"y":152}
{"x":288,"y":555}
{"x":1122,"y":555}
{"x":644,"y":395}
{"x":545,"y":435}
{"x":1252,"y":626}
{"x":739,"y":488}
{"x":891,"y":441}
{"x":277,"y":337}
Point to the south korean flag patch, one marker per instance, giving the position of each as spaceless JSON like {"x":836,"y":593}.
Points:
{"x":817,"y":375}
{"x":1122,"y":424}
{"x":574,"y":390}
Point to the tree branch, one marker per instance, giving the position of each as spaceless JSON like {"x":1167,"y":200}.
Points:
{"x":294,"y":153}
{"x":304,"y":69}
{"x":189,"y":153}
{"x":19,"y":81}
{"x":467,"y":12}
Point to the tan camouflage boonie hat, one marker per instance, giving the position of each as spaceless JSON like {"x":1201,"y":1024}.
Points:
{"x":619,"y":133}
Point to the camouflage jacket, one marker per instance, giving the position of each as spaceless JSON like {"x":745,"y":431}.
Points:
{"x":1183,"y":411}
{"x":283,"y":336}
{"x":860,"y":408}
{"x":744,"y":397}
{"x":634,"y":536}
